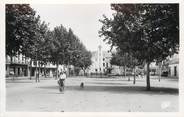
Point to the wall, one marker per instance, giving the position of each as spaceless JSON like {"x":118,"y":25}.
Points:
{"x":172,"y":71}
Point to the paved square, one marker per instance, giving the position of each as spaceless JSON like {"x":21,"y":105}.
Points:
{"x":98,"y":95}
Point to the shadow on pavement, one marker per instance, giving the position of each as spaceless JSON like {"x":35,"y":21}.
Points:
{"x":126,"y":80}
{"x":126,"y":89}
{"x":17,"y":81}
{"x":106,"y":83}
{"x":119,"y":89}
{"x":25,"y":80}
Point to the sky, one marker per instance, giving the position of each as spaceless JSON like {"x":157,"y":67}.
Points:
{"x":83,"y":19}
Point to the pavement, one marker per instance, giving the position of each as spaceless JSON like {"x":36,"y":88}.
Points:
{"x":98,"y":95}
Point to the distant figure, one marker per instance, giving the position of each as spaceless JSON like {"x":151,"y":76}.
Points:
{"x":37,"y":76}
{"x":82,"y":85}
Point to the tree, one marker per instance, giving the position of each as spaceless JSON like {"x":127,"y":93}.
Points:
{"x":126,"y":60}
{"x":119,"y":59}
{"x":83,"y":59}
{"x":22,"y":30}
{"x":66,"y":49}
{"x":46,"y":48}
{"x":144,"y":31}
{"x":29,"y":45}
{"x":133,"y":63}
{"x":72,"y":41}
{"x":28,"y":35}
{"x":41,"y":46}
{"x":37,"y":48}
{"x":59,"y":46}
{"x":20,"y":25}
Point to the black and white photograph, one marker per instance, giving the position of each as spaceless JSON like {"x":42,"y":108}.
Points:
{"x":106,"y":57}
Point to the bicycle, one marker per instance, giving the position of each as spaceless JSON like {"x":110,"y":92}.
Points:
{"x":61,"y":85}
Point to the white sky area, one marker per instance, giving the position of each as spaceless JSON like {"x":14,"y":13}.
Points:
{"x":83,"y":19}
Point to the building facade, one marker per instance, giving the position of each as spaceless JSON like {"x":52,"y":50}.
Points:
{"x":174,"y":66}
{"x":17,"y":66}
{"x":171,"y":67}
{"x":20,"y":65}
{"x":101,"y":63}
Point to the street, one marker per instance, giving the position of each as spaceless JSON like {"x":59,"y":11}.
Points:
{"x":98,"y":95}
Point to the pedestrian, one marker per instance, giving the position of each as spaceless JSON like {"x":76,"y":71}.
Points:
{"x":82,"y":80}
{"x":61,"y":80}
{"x":37,"y":76}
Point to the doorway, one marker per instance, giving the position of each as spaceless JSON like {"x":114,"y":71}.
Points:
{"x":175,"y":71}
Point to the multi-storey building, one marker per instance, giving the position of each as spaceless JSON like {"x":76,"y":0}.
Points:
{"x":22,"y":66}
{"x":101,"y":63}
{"x":17,"y":65}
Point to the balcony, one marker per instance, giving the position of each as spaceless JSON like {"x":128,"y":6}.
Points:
{"x":16,"y":60}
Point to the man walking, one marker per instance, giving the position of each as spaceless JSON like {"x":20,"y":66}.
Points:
{"x":61,"y":80}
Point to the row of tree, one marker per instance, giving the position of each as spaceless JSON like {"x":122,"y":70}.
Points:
{"x":126,"y":61}
{"x":26,"y":34}
{"x":145,"y":32}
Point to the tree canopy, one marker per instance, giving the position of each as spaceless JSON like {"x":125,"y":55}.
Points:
{"x":27,"y":34}
{"x":149,"y":32}
{"x":20,"y":27}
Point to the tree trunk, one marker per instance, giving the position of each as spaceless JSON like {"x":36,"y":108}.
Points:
{"x":128,"y":78}
{"x":30,"y":69}
{"x":39,"y":67}
{"x":160,"y":71}
{"x":36,"y":68}
{"x":11,"y":59}
{"x":45,"y":70}
{"x":68,"y":68}
{"x":125,"y":71}
{"x":84,"y":72}
{"x":25,"y":59}
{"x":57,"y":64}
{"x":36,"y":71}
{"x":159,"y":74}
{"x":134,"y":76}
{"x":148,"y":77}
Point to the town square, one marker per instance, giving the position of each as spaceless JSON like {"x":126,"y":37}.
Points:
{"x":116,"y":57}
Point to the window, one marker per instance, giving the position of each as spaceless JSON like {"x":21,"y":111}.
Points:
{"x":35,"y":63}
{"x":103,"y":59}
{"x":104,"y":64}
